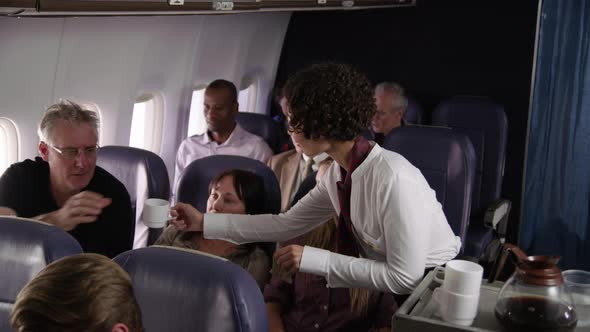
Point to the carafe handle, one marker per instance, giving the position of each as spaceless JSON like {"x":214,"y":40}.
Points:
{"x":499,"y":262}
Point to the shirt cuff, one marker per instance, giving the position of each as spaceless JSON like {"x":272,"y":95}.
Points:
{"x":214,"y":226}
{"x":315,"y":261}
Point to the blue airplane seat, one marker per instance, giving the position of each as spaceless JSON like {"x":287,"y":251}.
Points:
{"x":447,"y":161}
{"x":144,"y":175}
{"x":414,"y":112}
{"x":26,"y":247}
{"x":187,"y":290}
{"x":263,"y":126}
{"x":194,"y":183}
{"x":485,"y":123}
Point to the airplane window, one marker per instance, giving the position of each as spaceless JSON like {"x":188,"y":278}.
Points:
{"x":146,"y":123}
{"x":247,"y":98}
{"x":94,"y":108}
{"x":243,"y":99}
{"x":9,"y":142}
{"x":196,"y":120}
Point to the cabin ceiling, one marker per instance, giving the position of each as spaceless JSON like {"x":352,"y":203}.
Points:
{"x":18,"y":8}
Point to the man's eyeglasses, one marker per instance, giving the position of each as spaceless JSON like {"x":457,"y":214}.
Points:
{"x":73,"y":153}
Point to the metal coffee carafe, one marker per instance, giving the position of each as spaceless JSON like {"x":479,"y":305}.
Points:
{"x":534,"y":298}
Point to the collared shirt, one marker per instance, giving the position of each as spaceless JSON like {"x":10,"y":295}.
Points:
{"x":302,"y":164}
{"x":401,"y":227}
{"x":239,"y":143}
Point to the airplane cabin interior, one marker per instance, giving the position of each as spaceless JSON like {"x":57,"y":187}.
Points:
{"x":481,"y":69}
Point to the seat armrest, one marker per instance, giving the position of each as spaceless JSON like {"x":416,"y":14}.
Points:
{"x":496,"y":216}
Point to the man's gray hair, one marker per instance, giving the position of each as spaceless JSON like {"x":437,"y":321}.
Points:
{"x":65,"y":110}
{"x":396,"y":90}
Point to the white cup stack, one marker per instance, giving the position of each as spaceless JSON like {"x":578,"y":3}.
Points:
{"x":458,"y":295}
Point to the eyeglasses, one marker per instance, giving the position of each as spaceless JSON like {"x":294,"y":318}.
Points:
{"x":73,"y":153}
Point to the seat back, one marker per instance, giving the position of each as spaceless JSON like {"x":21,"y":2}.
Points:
{"x":446,"y":159}
{"x":485,"y":123}
{"x":414,"y":112}
{"x":144,"y":175}
{"x":261,"y":125}
{"x":194,"y":183}
{"x":185,"y":290}
{"x":26,"y":247}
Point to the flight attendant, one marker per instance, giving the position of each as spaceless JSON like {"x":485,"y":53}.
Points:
{"x":391,"y":228}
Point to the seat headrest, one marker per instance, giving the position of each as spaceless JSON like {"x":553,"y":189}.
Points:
{"x":260,"y":125}
{"x":137,"y":169}
{"x":484,"y":122}
{"x":144,"y":175}
{"x":185,"y":290}
{"x":447,"y":161}
{"x":26,"y":247}
{"x":194,"y":181}
{"x":414,"y":112}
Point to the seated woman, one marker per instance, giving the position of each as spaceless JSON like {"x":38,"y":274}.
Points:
{"x":235,"y":192}
{"x":302,"y":302}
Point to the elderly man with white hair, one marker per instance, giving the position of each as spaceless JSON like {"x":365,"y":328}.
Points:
{"x":65,"y":188}
{"x":391,"y":104}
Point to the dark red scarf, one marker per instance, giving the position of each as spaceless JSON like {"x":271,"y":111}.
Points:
{"x":347,"y":244}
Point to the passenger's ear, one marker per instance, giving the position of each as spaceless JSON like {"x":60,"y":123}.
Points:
{"x":236,"y":108}
{"x":120,"y":327}
{"x":43,"y":150}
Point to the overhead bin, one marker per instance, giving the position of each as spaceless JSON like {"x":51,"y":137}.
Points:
{"x":180,"y":7}
{"x":16,"y":7}
{"x":333,"y":4}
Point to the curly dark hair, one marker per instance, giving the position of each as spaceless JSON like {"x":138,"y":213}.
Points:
{"x":331,"y":100}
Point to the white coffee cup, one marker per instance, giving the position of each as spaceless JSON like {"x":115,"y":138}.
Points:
{"x":156,"y":212}
{"x":456,"y":308}
{"x":461,"y":277}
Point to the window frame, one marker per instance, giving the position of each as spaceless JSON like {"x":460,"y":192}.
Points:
{"x":198,"y":126}
{"x":154,"y":123}
{"x":250,"y":83}
{"x":9,"y":129}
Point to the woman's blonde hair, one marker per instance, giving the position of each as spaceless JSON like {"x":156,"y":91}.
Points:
{"x":85,"y":292}
{"x":324,"y":237}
